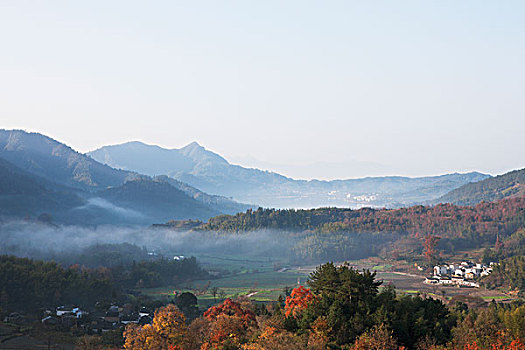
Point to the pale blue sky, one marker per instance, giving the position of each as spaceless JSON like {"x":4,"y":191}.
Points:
{"x":407,"y":87}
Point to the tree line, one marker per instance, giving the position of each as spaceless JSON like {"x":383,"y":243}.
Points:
{"x":28,"y":285}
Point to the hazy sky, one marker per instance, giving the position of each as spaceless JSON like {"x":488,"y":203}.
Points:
{"x":404,"y":87}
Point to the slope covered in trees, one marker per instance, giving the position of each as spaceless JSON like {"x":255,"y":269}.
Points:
{"x":157,"y":200}
{"x":28,"y":285}
{"x":342,"y":234}
{"x":511,"y":184}
{"x":24,"y":194}
{"x":99,"y":272}
{"x":502,"y":217}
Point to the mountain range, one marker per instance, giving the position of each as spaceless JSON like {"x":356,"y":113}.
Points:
{"x":41,"y":175}
{"x":135,"y":183}
{"x":211,"y":173}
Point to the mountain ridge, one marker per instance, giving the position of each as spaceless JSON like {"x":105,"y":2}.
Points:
{"x":77,"y":187}
{"x":204,"y":169}
{"x":510,"y":184}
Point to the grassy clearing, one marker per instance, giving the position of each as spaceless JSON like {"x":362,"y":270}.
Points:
{"x":263,"y":279}
{"x":385,"y":267}
{"x":495,"y":297}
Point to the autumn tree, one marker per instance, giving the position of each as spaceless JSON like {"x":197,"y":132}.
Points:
{"x":229,"y":325}
{"x":167,"y":331}
{"x":429,"y":246}
{"x":377,"y":338}
{"x":319,"y":334}
{"x":272,"y":338}
{"x":297,"y":301}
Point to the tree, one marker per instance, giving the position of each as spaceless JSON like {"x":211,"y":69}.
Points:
{"x":297,"y":301}
{"x":429,"y":245}
{"x":226,"y":332}
{"x":277,"y":339}
{"x":214,"y":291}
{"x":229,"y":325}
{"x":378,"y":338}
{"x":187,"y":303}
{"x":168,"y":331}
{"x":231,"y":308}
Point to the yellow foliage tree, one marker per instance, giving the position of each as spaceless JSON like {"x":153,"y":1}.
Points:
{"x":167,"y":331}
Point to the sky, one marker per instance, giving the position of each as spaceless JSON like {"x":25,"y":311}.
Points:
{"x":312,"y":89}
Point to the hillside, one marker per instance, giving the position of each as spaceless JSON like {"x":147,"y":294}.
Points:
{"x":218,"y":203}
{"x":511,"y":184}
{"x":157,"y":200}
{"x":25,"y":195}
{"x":208,"y":171}
{"x":338,"y":234}
{"x":42,"y":175}
{"x":444,"y":219}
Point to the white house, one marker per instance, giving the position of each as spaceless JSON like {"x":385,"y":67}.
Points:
{"x":446,"y":281}
{"x":440,"y":270}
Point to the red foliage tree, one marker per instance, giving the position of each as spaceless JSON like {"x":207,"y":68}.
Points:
{"x":231,"y":308}
{"x":229,"y":324}
{"x":429,"y":245}
{"x":298,"y":301}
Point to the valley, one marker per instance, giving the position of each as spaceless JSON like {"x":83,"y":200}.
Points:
{"x":129,"y":232}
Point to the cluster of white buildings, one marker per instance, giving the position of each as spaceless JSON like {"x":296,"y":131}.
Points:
{"x":461,"y":274}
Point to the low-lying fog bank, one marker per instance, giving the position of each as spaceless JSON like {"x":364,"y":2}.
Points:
{"x":62,"y":243}
{"x":41,"y":241}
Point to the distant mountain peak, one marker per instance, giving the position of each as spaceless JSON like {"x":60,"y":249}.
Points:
{"x":193,"y":145}
{"x":198,"y":153}
{"x":193,"y":148}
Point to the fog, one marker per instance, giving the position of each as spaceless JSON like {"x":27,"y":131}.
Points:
{"x":44,"y":241}
{"x":98,"y":202}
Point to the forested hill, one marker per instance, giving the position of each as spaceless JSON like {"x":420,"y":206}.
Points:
{"x":23,"y":194}
{"x":501,"y":217}
{"x":508,"y":185}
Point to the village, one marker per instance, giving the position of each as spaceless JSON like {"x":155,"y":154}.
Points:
{"x":95,"y":322}
{"x":464,"y":274}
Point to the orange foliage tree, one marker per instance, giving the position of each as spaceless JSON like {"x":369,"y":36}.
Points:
{"x":229,"y":324}
{"x":298,"y":301}
{"x":167,"y":331}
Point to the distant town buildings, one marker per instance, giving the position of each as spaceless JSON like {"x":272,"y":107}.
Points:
{"x":461,"y":274}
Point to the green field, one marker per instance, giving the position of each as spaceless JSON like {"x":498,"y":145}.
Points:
{"x":262,"y":280}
